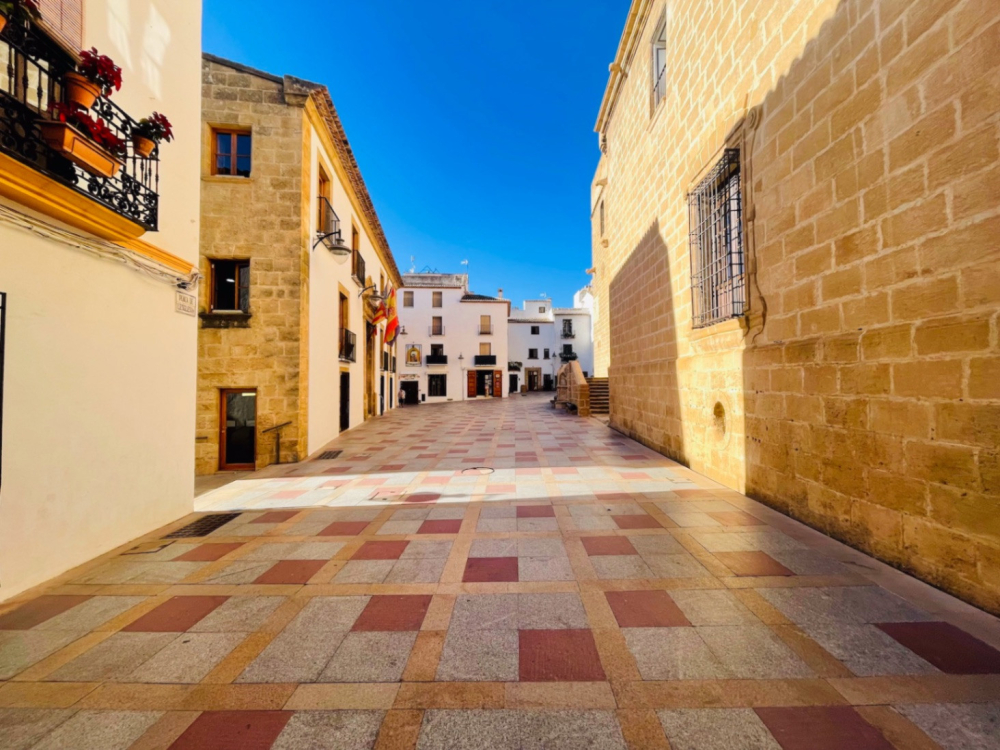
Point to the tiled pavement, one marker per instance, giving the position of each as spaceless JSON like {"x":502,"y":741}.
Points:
{"x":493,"y":575}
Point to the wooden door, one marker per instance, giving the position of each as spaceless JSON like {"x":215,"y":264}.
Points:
{"x":472,"y":384}
{"x":345,"y":401}
{"x":497,"y":384}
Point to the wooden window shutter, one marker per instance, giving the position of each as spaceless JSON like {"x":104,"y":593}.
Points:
{"x":63,"y":20}
{"x":472,"y":384}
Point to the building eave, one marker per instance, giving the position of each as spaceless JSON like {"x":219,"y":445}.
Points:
{"x":618,"y":69}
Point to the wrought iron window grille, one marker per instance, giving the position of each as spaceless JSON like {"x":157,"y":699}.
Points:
{"x":715,"y":212}
{"x":32,"y":69}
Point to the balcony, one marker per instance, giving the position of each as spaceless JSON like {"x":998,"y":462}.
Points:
{"x":328,"y":229}
{"x":31,"y":83}
{"x":437,"y":359}
{"x":358,"y":267}
{"x":484,"y":359}
{"x":486,"y":330}
{"x":568,"y":333}
{"x":348,"y":345}
{"x":567,"y":356}
{"x":436,"y":331}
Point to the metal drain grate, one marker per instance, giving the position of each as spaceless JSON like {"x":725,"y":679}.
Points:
{"x":327,"y":455}
{"x":203,"y":526}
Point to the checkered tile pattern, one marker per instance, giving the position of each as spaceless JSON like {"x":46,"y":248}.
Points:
{"x":493,"y":575}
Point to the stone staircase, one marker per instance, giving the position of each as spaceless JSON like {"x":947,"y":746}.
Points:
{"x":599,"y":395}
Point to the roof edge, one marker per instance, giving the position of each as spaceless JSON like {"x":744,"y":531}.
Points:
{"x":242,"y":68}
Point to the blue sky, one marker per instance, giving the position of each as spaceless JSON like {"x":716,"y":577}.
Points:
{"x":472,"y":120}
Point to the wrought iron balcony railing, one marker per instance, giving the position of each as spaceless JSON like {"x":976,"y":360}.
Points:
{"x":568,"y":333}
{"x":348,"y":345}
{"x":567,"y":356}
{"x":485,"y":359}
{"x":358,"y":267}
{"x":437,"y":359}
{"x":32,"y":70}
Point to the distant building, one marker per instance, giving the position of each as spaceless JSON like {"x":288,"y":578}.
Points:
{"x":452,"y":342}
{"x":542,"y":337}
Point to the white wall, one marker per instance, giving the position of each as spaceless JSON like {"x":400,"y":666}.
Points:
{"x":99,"y":391}
{"x":521,"y":340}
{"x":461,"y":336}
{"x":326,"y":272}
{"x":582,"y":340}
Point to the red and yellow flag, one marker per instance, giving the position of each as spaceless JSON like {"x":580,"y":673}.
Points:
{"x":392,"y":328}
{"x":380,"y":313}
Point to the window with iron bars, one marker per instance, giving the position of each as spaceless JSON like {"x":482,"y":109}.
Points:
{"x":715,"y":211}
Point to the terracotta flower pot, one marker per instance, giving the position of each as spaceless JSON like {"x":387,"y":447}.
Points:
{"x":80,"y":91}
{"x":143,"y":146}
{"x":79,"y":149}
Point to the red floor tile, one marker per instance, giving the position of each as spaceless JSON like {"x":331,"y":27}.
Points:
{"x":559,"y":655}
{"x":233,"y":730}
{"x":291,"y":571}
{"x":822,"y":728}
{"x":490,"y":569}
{"x":176,"y":615}
{"x":436,"y":480}
{"x":440,"y":527}
{"x":948,"y":648}
{"x":500,"y":488}
{"x":421,"y":497}
{"x":536,"y":511}
{"x":208,"y":552}
{"x":645,"y":609}
{"x":279,"y":516}
{"x":565,"y":470}
{"x":608,"y":545}
{"x":637,"y":522}
{"x":752,"y":564}
{"x":392,"y":467}
{"x":736,"y":518}
{"x":344,"y":528}
{"x":38,"y":611}
{"x":380,"y":551}
{"x":393,"y":613}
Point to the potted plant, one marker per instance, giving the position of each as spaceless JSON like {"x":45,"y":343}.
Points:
{"x":17,"y":10}
{"x":95,"y":75}
{"x":83,"y":140}
{"x":150,"y":132}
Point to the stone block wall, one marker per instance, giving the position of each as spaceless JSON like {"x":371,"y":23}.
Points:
{"x":260,"y":218}
{"x":862,"y":391}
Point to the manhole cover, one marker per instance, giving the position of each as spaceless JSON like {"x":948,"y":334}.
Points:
{"x":203,"y":526}
{"x":478,"y":470}
{"x":327,"y":455}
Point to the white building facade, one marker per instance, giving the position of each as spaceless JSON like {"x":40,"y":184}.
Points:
{"x":542,"y":337}
{"x":97,"y":327}
{"x":453,"y":343}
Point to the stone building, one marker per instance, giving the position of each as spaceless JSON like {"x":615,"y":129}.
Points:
{"x":795,"y":222}
{"x":294,"y":260}
{"x":453,"y":342}
{"x":98,"y":262}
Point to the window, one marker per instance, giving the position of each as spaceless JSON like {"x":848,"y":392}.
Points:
{"x":231,"y":152}
{"x":534,"y":330}
{"x":541,"y":309}
{"x":659,"y":63}
{"x":485,"y":349}
{"x":715,"y":213}
{"x":230,"y":285}
{"x":322,"y":192}
{"x":355,"y":238}
{"x":567,"y":349}
{"x":600,"y":211}
{"x":485,"y":324}
{"x":437,"y":326}
{"x":532,"y":354}
{"x":546,"y":353}
{"x":407,"y":299}
{"x":437,"y":385}
{"x":437,"y":350}
{"x":437,"y":300}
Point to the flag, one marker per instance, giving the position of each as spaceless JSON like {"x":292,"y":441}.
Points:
{"x":380,"y":313}
{"x":392,"y":328}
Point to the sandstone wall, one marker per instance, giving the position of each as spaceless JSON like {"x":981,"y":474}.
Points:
{"x":862,"y":392}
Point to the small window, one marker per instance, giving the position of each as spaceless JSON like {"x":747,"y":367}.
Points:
{"x":323,"y":195}
{"x":437,"y":385}
{"x":532,"y":354}
{"x":541,"y":309}
{"x":659,"y":64}
{"x":437,"y":326}
{"x":485,"y":324}
{"x":437,"y":300}
{"x":718,"y":289}
{"x":485,"y":349}
{"x":230,"y":285}
{"x":546,"y":353}
{"x":407,"y":299}
{"x":437,"y":350}
{"x":355,"y":238}
{"x":231,"y":153}
{"x":600,"y":211}
{"x":534,"y":330}
{"x":567,"y":349}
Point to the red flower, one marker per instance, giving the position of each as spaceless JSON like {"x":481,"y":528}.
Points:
{"x":100,"y":70}
{"x":156,"y":128}
{"x":98,"y":130}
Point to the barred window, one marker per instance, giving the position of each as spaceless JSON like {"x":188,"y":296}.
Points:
{"x":718,"y":287}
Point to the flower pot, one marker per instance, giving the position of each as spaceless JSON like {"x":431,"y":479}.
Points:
{"x":143,"y":146}
{"x":79,"y":149}
{"x":80,"y":91}
{"x":3,"y":22}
